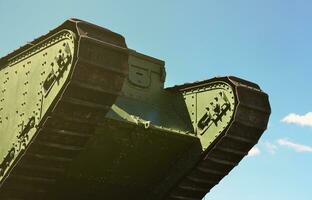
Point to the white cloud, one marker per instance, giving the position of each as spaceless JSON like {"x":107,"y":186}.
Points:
{"x":254,"y":151}
{"x":294,"y":146}
{"x":272,"y":148}
{"x":302,"y":120}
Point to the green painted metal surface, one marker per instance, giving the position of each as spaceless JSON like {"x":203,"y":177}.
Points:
{"x":84,"y":117}
{"x":28,"y":92}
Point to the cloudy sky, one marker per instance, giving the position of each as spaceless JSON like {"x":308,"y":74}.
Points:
{"x":265,"y":41}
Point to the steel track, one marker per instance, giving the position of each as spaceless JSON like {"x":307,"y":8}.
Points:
{"x":94,"y":86}
{"x":249,"y":122}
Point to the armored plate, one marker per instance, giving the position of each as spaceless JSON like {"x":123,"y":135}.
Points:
{"x":84,"y":117}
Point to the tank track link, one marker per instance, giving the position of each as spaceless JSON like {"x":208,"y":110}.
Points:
{"x":249,"y":122}
{"x":94,"y":84}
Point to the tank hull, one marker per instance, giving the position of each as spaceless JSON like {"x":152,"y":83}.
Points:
{"x":91,"y":119}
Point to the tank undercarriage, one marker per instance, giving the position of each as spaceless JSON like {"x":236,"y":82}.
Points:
{"x":84,"y":117}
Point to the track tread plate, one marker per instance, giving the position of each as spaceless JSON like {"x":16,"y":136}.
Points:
{"x":234,"y":142}
{"x":70,"y":124}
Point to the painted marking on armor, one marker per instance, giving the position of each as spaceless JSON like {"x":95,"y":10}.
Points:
{"x":215,"y":111}
{"x":210,"y":107}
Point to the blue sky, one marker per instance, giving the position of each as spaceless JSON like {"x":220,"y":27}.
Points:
{"x":265,"y":41}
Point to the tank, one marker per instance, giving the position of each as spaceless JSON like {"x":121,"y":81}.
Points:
{"x":84,"y":117}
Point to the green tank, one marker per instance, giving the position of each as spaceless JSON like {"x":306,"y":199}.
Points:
{"x":84,"y":117}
